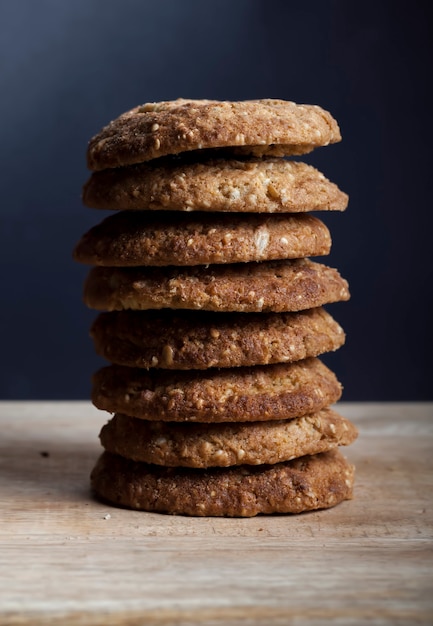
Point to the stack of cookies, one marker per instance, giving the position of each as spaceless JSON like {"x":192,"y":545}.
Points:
{"x":212,"y":311}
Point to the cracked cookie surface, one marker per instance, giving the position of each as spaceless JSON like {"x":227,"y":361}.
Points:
{"x":257,"y":127}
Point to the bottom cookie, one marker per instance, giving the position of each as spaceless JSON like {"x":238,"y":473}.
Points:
{"x":304,"y":484}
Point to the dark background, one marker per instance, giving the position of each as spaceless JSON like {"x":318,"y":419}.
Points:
{"x":67,"y":68}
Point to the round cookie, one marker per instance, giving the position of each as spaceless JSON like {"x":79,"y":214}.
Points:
{"x":179,"y":184}
{"x":304,"y":484}
{"x":257,"y":127}
{"x":223,"y":445}
{"x":137,"y":238}
{"x":289,"y":285}
{"x":259,"y":393}
{"x":200,"y":339}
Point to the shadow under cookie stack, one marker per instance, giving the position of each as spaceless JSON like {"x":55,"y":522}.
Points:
{"x":212,"y":311}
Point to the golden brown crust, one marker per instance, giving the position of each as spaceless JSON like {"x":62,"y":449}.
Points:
{"x":277,"y":286}
{"x":134,"y":238}
{"x":259,"y":127}
{"x":252,"y":185}
{"x":201,"y":339}
{"x":304,"y":484}
{"x":259,"y":393}
{"x":223,"y":445}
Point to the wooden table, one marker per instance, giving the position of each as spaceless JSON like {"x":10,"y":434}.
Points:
{"x":65,"y":558}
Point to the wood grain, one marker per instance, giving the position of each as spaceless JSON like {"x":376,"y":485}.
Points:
{"x":65,"y":558}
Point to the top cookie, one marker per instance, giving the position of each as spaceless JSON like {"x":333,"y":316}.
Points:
{"x":257,"y":127}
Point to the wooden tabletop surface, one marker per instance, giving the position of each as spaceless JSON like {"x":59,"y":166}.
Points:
{"x":67,"y":559}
